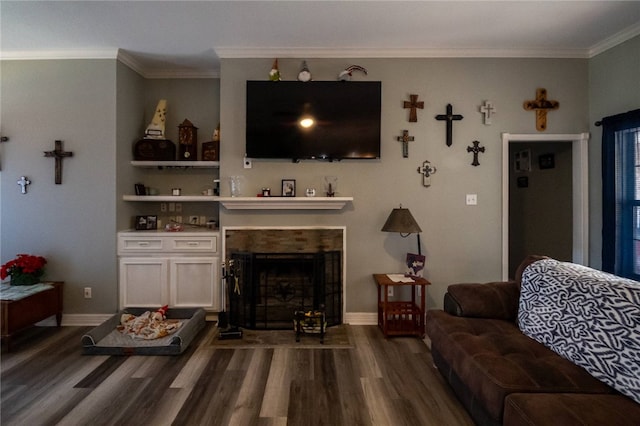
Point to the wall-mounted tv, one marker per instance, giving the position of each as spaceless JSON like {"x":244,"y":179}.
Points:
{"x":323,"y":120}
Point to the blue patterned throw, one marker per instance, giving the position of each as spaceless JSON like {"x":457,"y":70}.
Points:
{"x":588,"y":317}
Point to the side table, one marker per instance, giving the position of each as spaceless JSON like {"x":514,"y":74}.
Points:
{"x":401,"y":318}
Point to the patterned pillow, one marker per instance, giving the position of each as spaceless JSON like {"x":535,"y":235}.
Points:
{"x":588,"y":317}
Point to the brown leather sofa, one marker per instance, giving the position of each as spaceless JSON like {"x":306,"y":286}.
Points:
{"x":502,"y":376}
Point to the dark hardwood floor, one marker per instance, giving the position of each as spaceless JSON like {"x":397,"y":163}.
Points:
{"x":45,"y":380}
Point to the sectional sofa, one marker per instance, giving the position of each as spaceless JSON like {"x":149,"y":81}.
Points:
{"x":559,"y":345}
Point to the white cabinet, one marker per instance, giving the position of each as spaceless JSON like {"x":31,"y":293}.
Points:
{"x":179,"y":269}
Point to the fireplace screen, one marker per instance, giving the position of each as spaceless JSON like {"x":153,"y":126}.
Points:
{"x":270,"y":287}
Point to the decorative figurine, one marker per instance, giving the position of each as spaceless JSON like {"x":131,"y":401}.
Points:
{"x":347,"y":73}
{"x":155,"y":129}
{"x":274,"y":74}
{"x":304,"y":75}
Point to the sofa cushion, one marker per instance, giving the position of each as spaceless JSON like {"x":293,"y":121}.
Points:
{"x":498,"y":300}
{"x":570,"y":410}
{"x":587,"y":316}
{"x":494,"y":359}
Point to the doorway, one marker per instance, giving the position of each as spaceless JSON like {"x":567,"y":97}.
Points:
{"x":554,"y":223}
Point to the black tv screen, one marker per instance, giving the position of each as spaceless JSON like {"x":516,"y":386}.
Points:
{"x":346,"y":120}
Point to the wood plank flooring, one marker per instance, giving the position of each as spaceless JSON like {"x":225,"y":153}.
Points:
{"x":46,"y":381}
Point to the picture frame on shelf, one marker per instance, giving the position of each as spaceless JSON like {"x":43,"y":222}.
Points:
{"x":288,"y":187}
{"x":146,"y":223}
{"x":415,"y":265}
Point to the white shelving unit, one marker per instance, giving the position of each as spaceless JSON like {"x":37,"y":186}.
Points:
{"x":284,"y":203}
{"x":177,"y":164}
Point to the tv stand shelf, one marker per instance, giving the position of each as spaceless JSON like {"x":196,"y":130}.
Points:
{"x":284,"y":203}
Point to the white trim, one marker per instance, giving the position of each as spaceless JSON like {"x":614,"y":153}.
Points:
{"x":284,"y":203}
{"x":361,"y":318}
{"x":580,"y":150}
{"x":37,"y":55}
{"x":257,"y":228}
{"x":614,"y":40}
{"x":376,"y":52}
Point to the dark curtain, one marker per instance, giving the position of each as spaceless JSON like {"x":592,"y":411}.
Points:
{"x":610,"y":231}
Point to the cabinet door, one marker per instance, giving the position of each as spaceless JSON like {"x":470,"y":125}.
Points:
{"x":194,"y":282}
{"x":143,"y":282}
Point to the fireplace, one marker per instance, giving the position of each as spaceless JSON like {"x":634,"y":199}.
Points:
{"x":280,"y":271}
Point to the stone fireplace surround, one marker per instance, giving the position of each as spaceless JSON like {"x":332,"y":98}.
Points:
{"x":287,"y":239}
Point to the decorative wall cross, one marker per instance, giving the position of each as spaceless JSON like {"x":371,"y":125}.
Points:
{"x":58,"y":154}
{"x":541,"y":105}
{"x":413,"y":104}
{"x":449,"y":117}
{"x":476,"y":149}
{"x":487,"y":110}
{"x":23,"y":182}
{"x":405,"y":139}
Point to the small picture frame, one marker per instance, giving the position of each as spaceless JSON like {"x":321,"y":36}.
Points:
{"x":145,"y":223}
{"x":522,"y":161}
{"x":415,"y":265}
{"x":288,"y":187}
{"x":547,"y":161}
{"x":140,"y":189}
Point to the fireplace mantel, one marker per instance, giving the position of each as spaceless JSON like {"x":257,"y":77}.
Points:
{"x":284,"y":203}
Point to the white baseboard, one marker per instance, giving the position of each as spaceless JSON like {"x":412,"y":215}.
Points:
{"x":361,"y":318}
{"x":80,"y":320}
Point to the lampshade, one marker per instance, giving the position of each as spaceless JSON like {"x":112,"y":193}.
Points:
{"x":402,"y":221}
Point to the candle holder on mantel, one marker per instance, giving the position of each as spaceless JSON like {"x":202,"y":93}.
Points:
{"x":331,"y":185}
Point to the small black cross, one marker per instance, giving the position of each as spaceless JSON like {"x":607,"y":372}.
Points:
{"x":58,"y":154}
{"x":405,"y":139}
{"x":476,"y":149}
{"x":449,"y":117}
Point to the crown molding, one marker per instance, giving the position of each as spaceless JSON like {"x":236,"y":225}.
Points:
{"x":58,"y":54}
{"x":347,"y":52}
{"x":130,"y":61}
{"x":614,"y":40}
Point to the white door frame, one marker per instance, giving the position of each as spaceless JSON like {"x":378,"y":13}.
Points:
{"x":580,"y":147}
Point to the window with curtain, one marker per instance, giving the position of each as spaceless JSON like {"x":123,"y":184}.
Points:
{"x":621,"y":194}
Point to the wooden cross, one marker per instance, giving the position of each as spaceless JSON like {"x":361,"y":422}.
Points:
{"x":541,"y":105}
{"x":488,"y":110}
{"x":405,"y":139}
{"x":58,"y":154}
{"x":449,"y":117}
{"x":23,"y":182}
{"x":413,"y":104}
{"x":476,"y":149}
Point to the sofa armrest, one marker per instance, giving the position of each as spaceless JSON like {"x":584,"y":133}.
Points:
{"x":498,"y":300}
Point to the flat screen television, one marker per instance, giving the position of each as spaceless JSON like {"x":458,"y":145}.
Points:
{"x":345,"y":120}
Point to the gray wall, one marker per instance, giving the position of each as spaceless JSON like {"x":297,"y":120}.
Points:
{"x":72,"y":224}
{"x":614,"y":88}
{"x":461,"y":243}
{"x":95,"y":107}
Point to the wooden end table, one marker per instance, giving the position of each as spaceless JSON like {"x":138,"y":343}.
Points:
{"x":401,"y":318}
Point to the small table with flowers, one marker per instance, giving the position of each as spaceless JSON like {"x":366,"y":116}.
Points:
{"x":23,"y":306}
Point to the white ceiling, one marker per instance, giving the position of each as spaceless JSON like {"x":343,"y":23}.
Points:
{"x":189,"y":38}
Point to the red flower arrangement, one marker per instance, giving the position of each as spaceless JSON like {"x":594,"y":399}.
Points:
{"x":24,"y":269}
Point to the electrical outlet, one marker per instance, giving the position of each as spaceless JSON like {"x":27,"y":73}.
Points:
{"x":419,"y":291}
{"x":246,"y":162}
{"x":472,"y":199}
{"x":163,"y":207}
{"x":178,"y":207}
{"x":389,"y":291}
{"x":87,"y":292}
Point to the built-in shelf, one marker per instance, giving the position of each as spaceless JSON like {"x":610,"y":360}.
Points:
{"x":284,"y":203}
{"x":171,"y":198}
{"x":177,"y":164}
